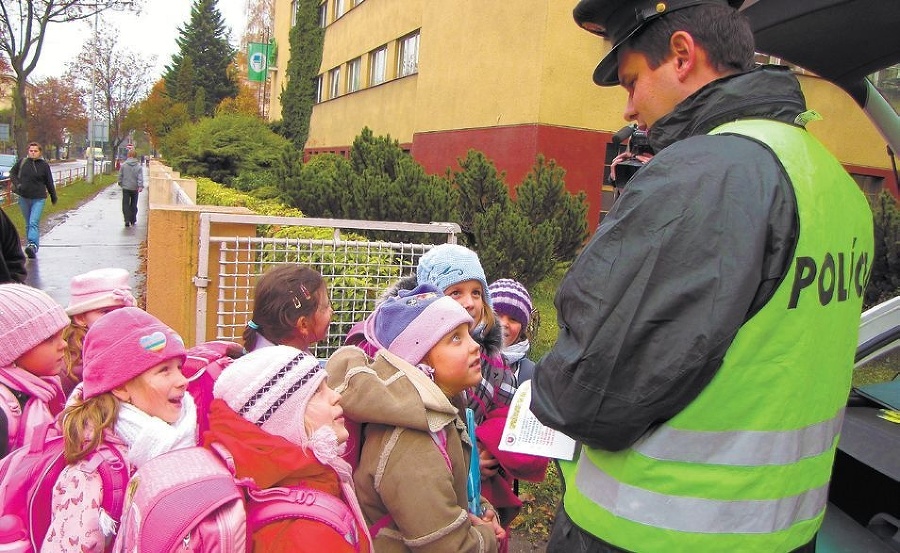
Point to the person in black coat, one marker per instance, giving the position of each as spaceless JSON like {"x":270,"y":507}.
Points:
{"x":32,"y":181}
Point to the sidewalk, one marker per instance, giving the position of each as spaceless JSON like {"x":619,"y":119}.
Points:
{"x":90,"y":237}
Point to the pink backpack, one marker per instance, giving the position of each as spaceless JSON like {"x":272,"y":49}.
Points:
{"x":27,"y":478}
{"x":12,"y":410}
{"x":203,"y":365}
{"x":190,"y":498}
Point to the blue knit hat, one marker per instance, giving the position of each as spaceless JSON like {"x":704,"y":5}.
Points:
{"x":510,"y":298}
{"x":411,"y":323}
{"x":448,"y":264}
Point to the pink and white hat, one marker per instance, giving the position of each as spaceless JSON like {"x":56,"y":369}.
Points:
{"x":98,"y":289}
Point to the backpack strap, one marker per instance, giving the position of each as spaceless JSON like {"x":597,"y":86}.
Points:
{"x":12,"y":409}
{"x":275,"y":504}
{"x":114,"y":475}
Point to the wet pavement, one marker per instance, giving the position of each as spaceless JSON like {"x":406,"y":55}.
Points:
{"x":89,"y":237}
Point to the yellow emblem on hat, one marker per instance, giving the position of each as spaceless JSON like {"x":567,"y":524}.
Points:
{"x":660,"y":7}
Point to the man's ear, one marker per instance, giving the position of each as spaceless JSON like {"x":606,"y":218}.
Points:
{"x":684,"y":52}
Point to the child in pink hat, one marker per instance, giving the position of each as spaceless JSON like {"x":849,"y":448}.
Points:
{"x":31,"y":356}
{"x":133,"y":400}
{"x":92,"y":295}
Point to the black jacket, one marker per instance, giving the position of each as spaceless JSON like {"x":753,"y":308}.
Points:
{"x":12,"y":260}
{"x":32,"y":179}
{"x":698,"y":241}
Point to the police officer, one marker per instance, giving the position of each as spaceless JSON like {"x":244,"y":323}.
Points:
{"x":707,"y":330}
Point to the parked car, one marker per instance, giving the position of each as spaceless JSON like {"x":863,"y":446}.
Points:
{"x":854,"y":44}
{"x":6,"y":163}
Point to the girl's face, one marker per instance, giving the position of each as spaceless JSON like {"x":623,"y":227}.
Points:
{"x":46,"y":358}
{"x":512,"y":329}
{"x":88,"y":318}
{"x":319,"y":321}
{"x":470,"y":295}
{"x":456,"y":361}
{"x":324,"y":409}
{"x":157,"y":391}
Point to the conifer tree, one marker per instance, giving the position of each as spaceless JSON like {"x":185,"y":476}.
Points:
{"x":299,"y":95}
{"x":202,"y":43}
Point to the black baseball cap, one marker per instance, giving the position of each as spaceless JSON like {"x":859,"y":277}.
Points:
{"x":619,"y":20}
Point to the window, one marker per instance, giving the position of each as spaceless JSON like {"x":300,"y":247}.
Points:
{"x":357,"y":2}
{"x":339,"y":8}
{"x":295,"y":5}
{"x":319,"y":89}
{"x":870,"y":185}
{"x":408,"y":60}
{"x":377,"y":61}
{"x":334,"y":77}
{"x":323,"y":14}
{"x":353,"y":75}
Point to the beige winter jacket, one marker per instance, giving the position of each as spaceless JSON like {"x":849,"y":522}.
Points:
{"x":402,"y":472}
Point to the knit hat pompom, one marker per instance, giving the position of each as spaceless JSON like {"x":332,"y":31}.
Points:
{"x":28,"y":316}
{"x":411,"y":323}
{"x":510,"y":298}
{"x":448,"y":264}
{"x":98,"y":289}
{"x":271,"y":387}
{"x":123,"y":345}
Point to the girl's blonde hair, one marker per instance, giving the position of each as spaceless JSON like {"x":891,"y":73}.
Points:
{"x":74,"y":337}
{"x":83,"y":424}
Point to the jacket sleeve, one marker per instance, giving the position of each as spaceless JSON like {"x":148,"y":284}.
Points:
{"x":649,"y":308}
{"x":11,"y":255}
{"x":75,"y":525}
{"x":48,"y":182}
{"x":14,"y":173}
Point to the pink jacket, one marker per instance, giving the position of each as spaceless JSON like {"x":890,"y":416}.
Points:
{"x":45,"y":400}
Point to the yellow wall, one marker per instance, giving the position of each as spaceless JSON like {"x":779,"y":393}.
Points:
{"x":486,"y":64}
{"x":844,"y":129}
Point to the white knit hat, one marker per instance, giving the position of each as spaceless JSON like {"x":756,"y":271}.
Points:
{"x":98,"y":289}
{"x":271,"y":388}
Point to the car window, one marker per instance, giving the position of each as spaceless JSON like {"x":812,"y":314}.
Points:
{"x":887,"y":81}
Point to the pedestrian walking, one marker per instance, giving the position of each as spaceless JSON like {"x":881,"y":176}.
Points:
{"x":32,"y":181}
{"x":131,"y":179}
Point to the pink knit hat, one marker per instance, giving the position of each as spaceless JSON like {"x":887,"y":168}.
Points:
{"x":100,"y":288}
{"x":124,"y":344}
{"x":271,"y":388}
{"x":28,"y":316}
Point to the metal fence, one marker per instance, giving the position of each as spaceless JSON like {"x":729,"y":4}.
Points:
{"x":357,"y":269}
{"x":61,"y":178}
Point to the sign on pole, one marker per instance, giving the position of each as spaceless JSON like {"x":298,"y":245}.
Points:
{"x":4,"y":132}
{"x":257,"y":61}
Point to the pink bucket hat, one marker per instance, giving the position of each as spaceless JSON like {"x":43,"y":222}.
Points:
{"x":124,"y":344}
{"x":98,"y":289}
{"x":271,"y":388}
{"x":28,"y":316}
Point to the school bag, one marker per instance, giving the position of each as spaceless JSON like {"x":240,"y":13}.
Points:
{"x":202,"y":366}
{"x":11,"y":410}
{"x":27,"y":478}
{"x":190,"y":498}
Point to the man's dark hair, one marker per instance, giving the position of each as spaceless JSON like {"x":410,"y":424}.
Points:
{"x":723,"y":32}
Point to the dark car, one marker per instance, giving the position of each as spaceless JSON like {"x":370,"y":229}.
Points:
{"x":855,"y":44}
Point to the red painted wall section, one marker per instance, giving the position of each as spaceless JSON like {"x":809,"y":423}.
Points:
{"x":513,"y":150}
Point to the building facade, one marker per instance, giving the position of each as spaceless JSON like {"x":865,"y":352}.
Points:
{"x":513,"y":81}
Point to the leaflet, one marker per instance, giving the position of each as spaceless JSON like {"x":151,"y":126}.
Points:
{"x":524,"y":433}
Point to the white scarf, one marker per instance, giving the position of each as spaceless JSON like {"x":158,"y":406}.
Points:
{"x":148,"y":436}
{"x":513,"y":353}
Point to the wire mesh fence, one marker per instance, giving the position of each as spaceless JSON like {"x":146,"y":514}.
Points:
{"x":356,"y":269}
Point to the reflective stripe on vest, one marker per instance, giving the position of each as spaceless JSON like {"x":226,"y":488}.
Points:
{"x":741,"y":448}
{"x":733,"y":471}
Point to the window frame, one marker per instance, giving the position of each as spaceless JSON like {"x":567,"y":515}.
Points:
{"x":404,"y":69}
{"x":334,"y":82}
{"x":374,"y":66}
{"x":354,"y":68}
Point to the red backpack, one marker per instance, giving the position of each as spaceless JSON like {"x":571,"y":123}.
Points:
{"x":190,"y":498}
{"x":27,"y":478}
